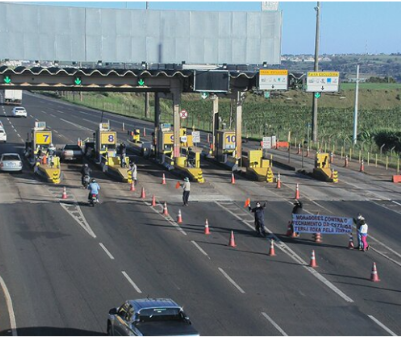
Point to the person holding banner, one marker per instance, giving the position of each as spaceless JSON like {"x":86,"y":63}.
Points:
{"x":297,"y":209}
{"x":358,"y":222}
{"x":364,"y":235}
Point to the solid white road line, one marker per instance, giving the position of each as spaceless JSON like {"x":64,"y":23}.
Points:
{"x":107,"y":252}
{"x":274,"y":324}
{"x":9,"y":307}
{"x":132,"y":282}
{"x":202,"y":251}
{"x":232,"y":281}
{"x":382,"y":325}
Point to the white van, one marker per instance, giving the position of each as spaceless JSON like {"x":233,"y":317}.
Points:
{"x":3,"y":135}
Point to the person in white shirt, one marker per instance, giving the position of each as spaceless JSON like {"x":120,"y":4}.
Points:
{"x":364,"y":235}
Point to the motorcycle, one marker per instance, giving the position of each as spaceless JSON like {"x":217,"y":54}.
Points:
{"x":85,"y":181}
{"x":93,"y":200}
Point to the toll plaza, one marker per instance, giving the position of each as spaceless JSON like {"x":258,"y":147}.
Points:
{"x":322,"y":169}
{"x":257,"y":167}
{"x":41,"y":156}
{"x":104,"y":151}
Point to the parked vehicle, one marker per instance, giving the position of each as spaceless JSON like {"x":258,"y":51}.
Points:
{"x":3,"y":135}
{"x":20,"y":111}
{"x":10,"y":162}
{"x":71,"y":152}
{"x":149,"y":317}
{"x":12,"y":96}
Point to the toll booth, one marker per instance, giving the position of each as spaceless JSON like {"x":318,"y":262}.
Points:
{"x":322,"y":169}
{"x":225,"y":145}
{"x":105,"y":141}
{"x":257,"y":167}
{"x":36,"y":149}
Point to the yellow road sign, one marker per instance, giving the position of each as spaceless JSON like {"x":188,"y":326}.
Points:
{"x":43,"y":137}
{"x":273,"y":72}
{"x":108,"y":138}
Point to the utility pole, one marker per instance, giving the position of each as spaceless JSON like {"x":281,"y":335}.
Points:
{"x":316,"y":69}
{"x":356,"y":106}
{"x":147,"y":97}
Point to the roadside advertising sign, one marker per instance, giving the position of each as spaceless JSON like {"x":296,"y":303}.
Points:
{"x":195,"y":136}
{"x":323,"y":81}
{"x":273,"y":79}
{"x":324,"y":224}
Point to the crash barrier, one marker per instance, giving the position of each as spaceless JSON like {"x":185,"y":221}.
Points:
{"x":282,"y":144}
{"x":396,"y":178}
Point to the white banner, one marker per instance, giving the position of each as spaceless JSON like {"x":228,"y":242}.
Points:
{"x":324,"y":224}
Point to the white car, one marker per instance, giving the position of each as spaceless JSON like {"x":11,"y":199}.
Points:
{"x":3,"y":135}
{"x":19,"y":111}
{"x":10,"y":162}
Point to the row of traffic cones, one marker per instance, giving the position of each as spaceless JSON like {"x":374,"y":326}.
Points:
{"x":297,"y":194}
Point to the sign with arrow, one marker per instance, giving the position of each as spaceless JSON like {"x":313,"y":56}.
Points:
{"x":325,"y":81}
{"x":317,"y":94}
{"x":204,"y":95}
{"x":141,"y":82}
{"x":276,"y":79}
{"x":7,"y":79}
{"x":78,"y":80}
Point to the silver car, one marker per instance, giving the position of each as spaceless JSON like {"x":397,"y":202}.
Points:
{"x":149,"y":317}
{"x":10,"y":162}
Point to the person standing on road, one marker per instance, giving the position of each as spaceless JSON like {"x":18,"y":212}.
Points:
{"x":134,"y":172}
{"x":186,"y":186}
{"x":364,"y":235}
{"x":259,"y":211}
{"x":297,"y":209}
{"x":358,"y":222}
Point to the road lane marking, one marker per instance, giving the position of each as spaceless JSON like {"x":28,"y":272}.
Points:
{"x":53,"y":116}
{"x":202,"y":251}
{"x":382,"y":325}
{"x":76,"y":125}
{"x":167,"y":217}
{"x":232,"y":281}
{"x":132,"y":282}
{"x":274,"y":324}
{"x":107,"y":252}
{"x":287,"y":250}
{"x":10,"y":308}
{"x":60,"y":111}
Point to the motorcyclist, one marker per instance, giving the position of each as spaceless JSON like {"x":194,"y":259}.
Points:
{"x":93,"y":188}
{"x":259,"y":211}
{"x":297,"y":209}
{"x":85,"y":171}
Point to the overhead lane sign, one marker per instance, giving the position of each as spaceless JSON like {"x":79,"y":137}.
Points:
{"x":327,"y":81}
{"x":273,"y":79}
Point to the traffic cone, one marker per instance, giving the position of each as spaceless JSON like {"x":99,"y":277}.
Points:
{"x":362,"y":168}
{"x":164,"y":180}
{"x":179,"y":217}
{"x":278,"y":181}
{"x":231,"y":243}
{"x":271,"y":251}
{"x":144,"y":132}
{"x":64,"y":196}
{"x":297,"y":192}
{"x":132,"y":188}
{"x":374,"y":276}
{"x":153,"y":201}
{"x":165,"y":211}
{"x":351,"y":242}
{"x":346,"y":161}
{"x":313,"y":260}
{"x":207,"y":232}
{"x":317,"y":237}
{"x":289,"y":230}
{"x":232,"y":178}
{"x":143,"y":194}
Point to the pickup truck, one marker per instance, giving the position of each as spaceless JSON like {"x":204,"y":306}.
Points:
{"x":149,"y":317}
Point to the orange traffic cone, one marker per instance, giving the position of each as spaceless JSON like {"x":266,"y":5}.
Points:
{"x":362,"y":168}
{"x":153,"y":201}
{"x":374,"y":276}
{"x":143,"y":194}
{"x":271,"y":251}
{"x":164,"y":180}
{"x":207,"y":232}
{"x":317,"y":237}
{"x":278,"y":181}
{"x":132,"y":188}
{"x":179,"y":217}
{"x":144,"y":132}
{"x":297,"y":192}
{"x":231,"y":243}
{"x":64,"y":196}
{"x":351,"y":242}
{"x":165,"y":210}
{"x":313,"y":260}
{"x":232,"y":178}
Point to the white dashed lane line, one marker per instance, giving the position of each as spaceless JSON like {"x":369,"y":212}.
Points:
{"x":107,"y":252}
{"x":274,"y":324}
{"x":382,"y":325}
{"x":201,"y":250}
{"x":132,"y":282}
{"x":231,"y":281}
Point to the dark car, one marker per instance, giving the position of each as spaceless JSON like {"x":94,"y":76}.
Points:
{"x":71,"y":152}
{"x":149,"y":317}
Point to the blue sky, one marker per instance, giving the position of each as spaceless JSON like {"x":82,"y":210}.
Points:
{"x":345,"y":27}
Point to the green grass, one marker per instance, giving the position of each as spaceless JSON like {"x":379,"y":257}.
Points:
{"x":371,"y":86}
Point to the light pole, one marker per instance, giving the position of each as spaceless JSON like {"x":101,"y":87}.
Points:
{"x":356,"y":105}
{"x":316,"y":69}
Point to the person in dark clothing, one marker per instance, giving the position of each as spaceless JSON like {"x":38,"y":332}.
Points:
{"x":123,"y":153}
{"x":259,"y":211}
{"x":85,"y":171}
{"x":297,"y":209}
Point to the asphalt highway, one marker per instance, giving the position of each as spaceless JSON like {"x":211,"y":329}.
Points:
{"x":64,"y":264}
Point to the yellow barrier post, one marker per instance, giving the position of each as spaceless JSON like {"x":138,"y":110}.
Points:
{"x":368,"y":158}
{"x":386,"y":162}
{"x":342,"y":152}
{"x":376,"y":159}
{"x":271,"y":160}
{"x":359,"y":156}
